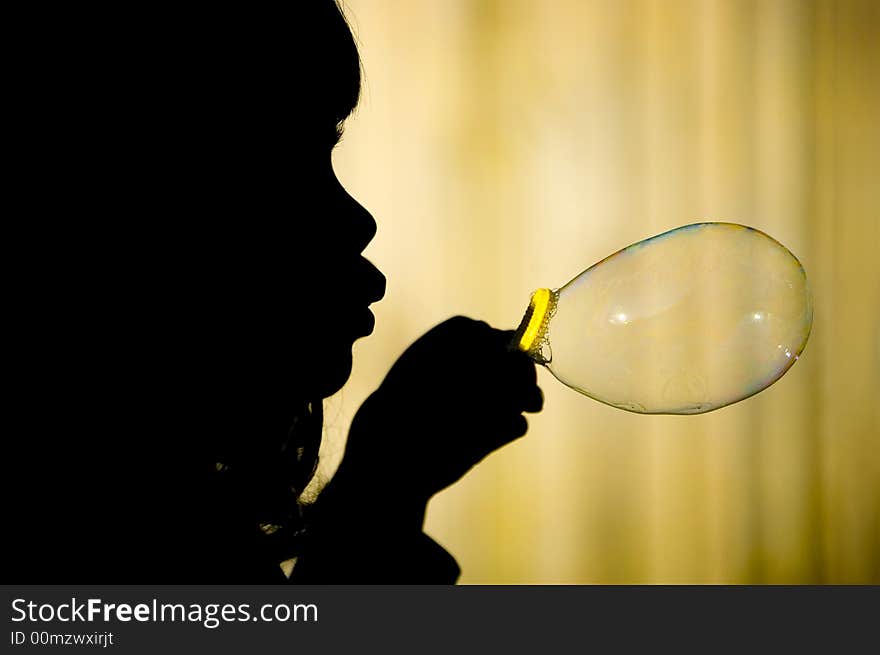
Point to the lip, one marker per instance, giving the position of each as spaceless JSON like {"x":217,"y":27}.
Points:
{"x":364,"y":323}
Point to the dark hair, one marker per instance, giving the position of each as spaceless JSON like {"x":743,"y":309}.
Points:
{"x":344,"y":95}
{"x":332,"y":80}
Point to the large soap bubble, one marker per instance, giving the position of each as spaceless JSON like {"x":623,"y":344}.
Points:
{"x":681,"y":323}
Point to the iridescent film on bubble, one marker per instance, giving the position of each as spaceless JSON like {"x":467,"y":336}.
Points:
{"x":685,"y":322}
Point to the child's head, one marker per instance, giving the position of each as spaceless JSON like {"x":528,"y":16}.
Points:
{"x":196,"y":156}
{"x":290,"y":284}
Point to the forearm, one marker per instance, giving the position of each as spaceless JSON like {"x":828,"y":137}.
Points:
{"x":354,"y":500}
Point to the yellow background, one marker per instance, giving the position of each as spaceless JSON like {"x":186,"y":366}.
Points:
{"x":507,"y":145}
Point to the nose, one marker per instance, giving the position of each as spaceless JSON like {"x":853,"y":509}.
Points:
{"x":362,"y":229}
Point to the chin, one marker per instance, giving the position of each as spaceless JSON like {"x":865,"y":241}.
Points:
{"x":331,"y":373}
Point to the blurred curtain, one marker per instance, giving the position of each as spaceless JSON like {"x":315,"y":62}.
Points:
{"x":505,"y":145}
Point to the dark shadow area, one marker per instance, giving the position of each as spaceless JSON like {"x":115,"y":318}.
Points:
{"x":188,"y":281}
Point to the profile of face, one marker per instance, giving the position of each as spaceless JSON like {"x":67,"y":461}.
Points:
{"x":336,"y":283}
{"x":272,"y":241}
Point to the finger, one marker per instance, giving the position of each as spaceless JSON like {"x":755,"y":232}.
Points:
{"x":517,"y":382}
{"x":512,"y":427}
{"x":507,"y":364}
{"x":534,"y":401}
{"x":506,"y":338}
